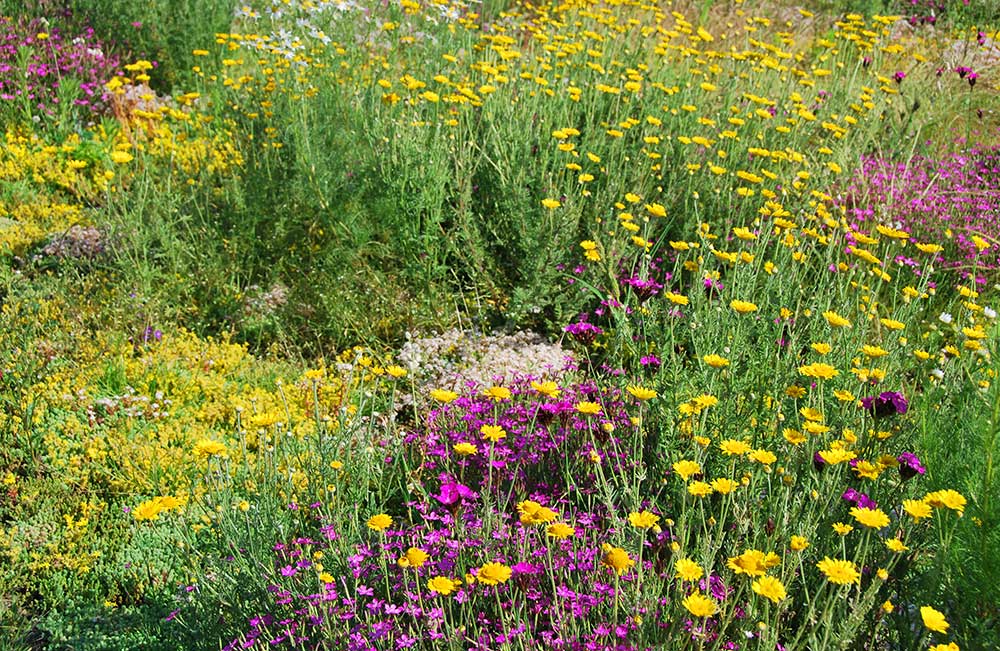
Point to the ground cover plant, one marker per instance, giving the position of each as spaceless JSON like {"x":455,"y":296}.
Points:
{"x":589,"y":325}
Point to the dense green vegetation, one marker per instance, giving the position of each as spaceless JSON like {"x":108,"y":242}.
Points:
{"x":256,"y":262}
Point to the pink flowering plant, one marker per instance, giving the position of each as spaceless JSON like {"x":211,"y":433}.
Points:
{"x":47,"y":74}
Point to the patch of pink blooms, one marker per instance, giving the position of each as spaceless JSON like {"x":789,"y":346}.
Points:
{"x":945,"y":200}
{"x":36,"y":63}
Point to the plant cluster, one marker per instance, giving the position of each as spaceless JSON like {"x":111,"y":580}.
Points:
{"x":47,"y":73}
{"x":952,"y":196}
{"x":742,"y":388}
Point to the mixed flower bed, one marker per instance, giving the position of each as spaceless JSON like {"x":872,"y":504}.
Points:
{"x":756,"y":411}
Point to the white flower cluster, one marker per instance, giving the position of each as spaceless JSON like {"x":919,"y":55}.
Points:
{"x":292,"y":28}
{"x":263,"y":302}
{"x":454,"y":358}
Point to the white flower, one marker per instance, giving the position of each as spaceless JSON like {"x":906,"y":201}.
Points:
{"x":945,"y":317}
{"x":938,"y":373}
{"x":246,"y":12}
{"x":990,"y":313}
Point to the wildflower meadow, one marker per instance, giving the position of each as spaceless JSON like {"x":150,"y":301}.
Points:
{"x":350,"y":325}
